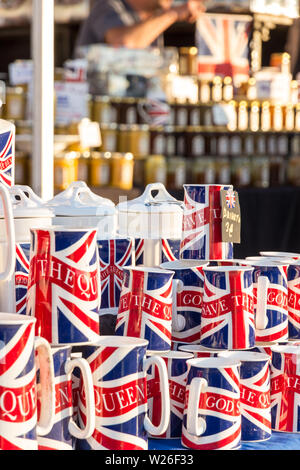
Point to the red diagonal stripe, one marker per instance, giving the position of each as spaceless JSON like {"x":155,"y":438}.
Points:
{"x":80,"y":252}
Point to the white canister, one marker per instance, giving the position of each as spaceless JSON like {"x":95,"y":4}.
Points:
{"x":28,"y":211}
{"x":154,"y":221}
{"x":79,"y":207}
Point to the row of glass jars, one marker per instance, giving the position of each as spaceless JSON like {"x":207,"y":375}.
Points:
{"x":105,"y":169}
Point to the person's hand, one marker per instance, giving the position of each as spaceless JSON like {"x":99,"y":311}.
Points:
{"x":190,"y":11}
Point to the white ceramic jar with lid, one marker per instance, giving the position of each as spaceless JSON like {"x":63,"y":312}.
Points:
{"x":28,"y":210}
{"x":79,"y":207}
{"x":154,"y":220}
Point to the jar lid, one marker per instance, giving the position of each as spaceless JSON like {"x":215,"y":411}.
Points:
{"x":78,"y":200}
{"x":162,"y":202}
{"x":26,"y":204}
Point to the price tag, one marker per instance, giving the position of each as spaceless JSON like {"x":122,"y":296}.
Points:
{"x":231,"y":216}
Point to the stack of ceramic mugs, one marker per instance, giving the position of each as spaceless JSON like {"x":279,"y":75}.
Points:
{"x":129,"y":322}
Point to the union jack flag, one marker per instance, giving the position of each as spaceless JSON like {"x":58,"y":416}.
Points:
{"x":294,"y":302}
{"x":223,"y":46}
{"x":285,"y":391}
{"x":202,"y":225}
{"x":113,"y":256}
{"x":277,"y":304}
{"x":155,"y":112}
{"x":168,"y":251}
{"x":255,"y":401}
{"x":139,"y":251}
{"x":7,"y":158}
{"x":64,"y":285}
{"x":21,"y":276}
{"x":119,"y":423}
{"x":177,"y":373}
{"x":227,"y":319}
{"x":220,"y":405}
{"x":18,"y":407}
{"x":145,"y":309}
{"x":230,"y":199}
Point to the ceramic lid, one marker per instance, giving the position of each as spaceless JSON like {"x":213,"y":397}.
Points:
{"x":26,"y":204}
{"x":162,"y":202}
{"x":79,"y":201}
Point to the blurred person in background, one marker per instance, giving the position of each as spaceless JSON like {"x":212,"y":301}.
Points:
{"x":135,"y":24}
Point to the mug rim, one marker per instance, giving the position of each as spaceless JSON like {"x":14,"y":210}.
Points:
{"x":268,"y":262}
{"x":208,"y":185}
{"x":15,"y":319}
{"x":63,"y":228}
{"x":177,"y":264}
{"x":198,"y":348}
{"x":212,"y":362}
{"x":281,"y":254}
{"x":148,"y":269}
{"x":171,"y":354}
{"x":246,"y":356}
{"x":114,"y":342}
{"x":286,"y":348}
{"x":228,"y":268}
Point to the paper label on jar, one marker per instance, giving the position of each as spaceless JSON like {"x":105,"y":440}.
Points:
{"x":198,"y":145}
{"x":223,"y":145}
{"x":249,"y":145}
{"x":182,"y":117}
{"x":143,"y":147}
{"x":282,"y":144}
{"x":131,"y":116}
{"x":158,"y":147}
{"x":170,"y":145}
{"x":15,"y":108}
{"x":82,"y":171}
{"x":180,"y":177}
{"x":103,"y":175}
{"x":110,"y":142}
{"x":236,"y":145}
{"x":126,"y":174}
{"x":195,"y":117}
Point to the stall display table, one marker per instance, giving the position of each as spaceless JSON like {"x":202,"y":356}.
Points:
{"x":278,"y":441}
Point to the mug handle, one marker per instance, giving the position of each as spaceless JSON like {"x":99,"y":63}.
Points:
{"x":87,"y":378}
{"x":165,"y":396}
{"x":261,"y":319}
{"x":47,"y":412}
{"x":10,"y":234}
{"x":195,"y":425}
{"x":178,"y":321}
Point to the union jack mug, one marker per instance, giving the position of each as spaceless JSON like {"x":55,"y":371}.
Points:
{"x":187,"y":299}
{"x":227,"y":319}
{"x":114,"y":255}
{"x":202,"y":223}
{"x":176,"y":363}
{"x":294,"y":300}
{"x":285,"y":388}
{"x":64,"y":290}
{"x":145,"y":309}
{"x":255,"y":394}
{"x":65,"y":430}
{"x":119,"y":368}
{"x":212,"y":415}
{"x":270,"y":292}
{"x":280,"y":254}
{"x":7,"y":153}
{"x":153,"y":252}
{"x":19,"y":352}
